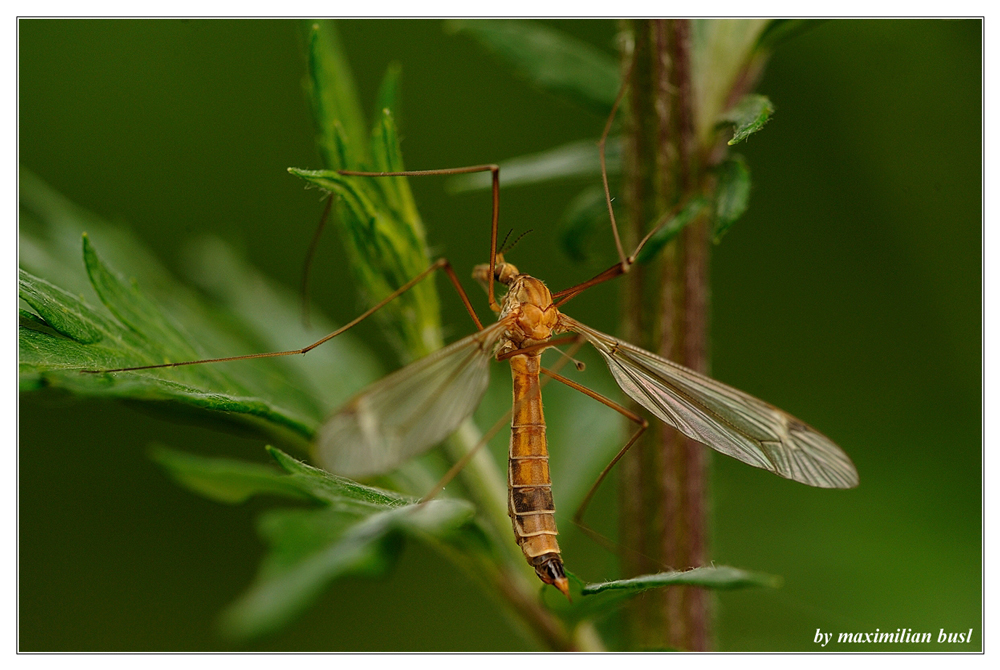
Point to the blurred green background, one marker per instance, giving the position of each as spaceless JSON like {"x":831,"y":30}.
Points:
{"x":848,"y":295}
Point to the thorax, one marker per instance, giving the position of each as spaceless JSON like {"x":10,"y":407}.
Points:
{"x":533,"y":316}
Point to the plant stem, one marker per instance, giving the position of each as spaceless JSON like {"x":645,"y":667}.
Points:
{"x":541,"y":622}
{"x":664,"y":492}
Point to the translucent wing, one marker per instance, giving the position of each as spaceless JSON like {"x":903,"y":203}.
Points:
{"x":409,"y":411}
{"x":728,"y":420}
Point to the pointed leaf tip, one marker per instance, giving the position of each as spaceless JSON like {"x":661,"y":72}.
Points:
{"x":747,"y":116}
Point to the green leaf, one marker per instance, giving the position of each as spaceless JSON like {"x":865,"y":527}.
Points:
{"x":782,"y":30}
{"x":723,"y":53}
{"x":224,"y":479}
{"x":732,"y":194}
{"x":134,"y":311}
{"x":590,"y":601}
{"x":747,"y":116}
{"x":721,"y":577}
{"x":388,"y":91}
{"x":395,"y":190}
{"x":550,"y":59}
{"x":124,"y":326}
{"x":234,"y":481}
{"x":292,"y":578}
{"x":46,"y":359}
{"x":56,"y":308}
{"x":669,"y":226}
{"x":584,"y":215}
{"x":569,"y":161}
{"x":334,"y":99}
{"x":357,"y":530}
{"x":331,"y":488}
{"x":95,"y":340}
{"x":349,"y":189}
{"x":379,"y":224}
{"x":582,"y":606}
{"x":387,"y":251}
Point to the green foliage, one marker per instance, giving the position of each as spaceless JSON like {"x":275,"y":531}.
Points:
{"x":334,"y":99}
{"x":732,"y":194}
{"x":584,"y":216}
{"x":723,"y":52}
{"x":669,"y":226}
{"x":153,"y":318}
{"x":550,"y":60}
{"x":594,"y":601}
{"x":379,"y":223}
{"x":68,"y":339}
{"x":715,"y":577}
{"x":358,"y":528}
{"x":63,"y":311}
{"x":747,"y":116}
{"x":224,"y":479}
{"x":351,"y":530}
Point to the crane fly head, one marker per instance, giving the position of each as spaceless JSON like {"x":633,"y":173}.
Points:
{"x":503,"y":272}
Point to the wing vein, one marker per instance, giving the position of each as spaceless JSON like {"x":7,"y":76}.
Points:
{"x":720,"y":416}
{"x":409,"y":411}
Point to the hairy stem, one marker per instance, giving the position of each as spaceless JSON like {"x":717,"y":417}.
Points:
{"x":664,"y":497}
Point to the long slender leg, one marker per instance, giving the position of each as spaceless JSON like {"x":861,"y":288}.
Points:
{"x":625,"y":262}
{"x":564,"y":296}
{"x":464,"y":460}
{"x":310,"y":253}
{"x":495,"y":173}
{"x":441,"y":263}
{"x":643,"y":425}
{"x":631,"y":416}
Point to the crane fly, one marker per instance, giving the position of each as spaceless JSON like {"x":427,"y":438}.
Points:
{"x":413,"y":409}
{"x":416,"y":407}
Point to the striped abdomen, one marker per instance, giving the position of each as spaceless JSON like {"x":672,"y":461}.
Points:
{"x":529,"y":503}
